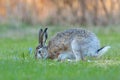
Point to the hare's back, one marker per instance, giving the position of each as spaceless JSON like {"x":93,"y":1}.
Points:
{"x":63,"y":39}
{"x":72,"y":33}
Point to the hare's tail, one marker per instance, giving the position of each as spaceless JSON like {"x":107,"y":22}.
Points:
{"x":101,"y":51}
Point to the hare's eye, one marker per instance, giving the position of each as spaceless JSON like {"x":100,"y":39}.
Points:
{"x":39,"y":51}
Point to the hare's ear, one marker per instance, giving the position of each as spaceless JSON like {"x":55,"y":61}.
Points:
{"x":45,"y":36}
{"x":40,"y":36}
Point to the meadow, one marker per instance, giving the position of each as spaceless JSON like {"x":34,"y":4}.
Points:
{"x":17,"y":63}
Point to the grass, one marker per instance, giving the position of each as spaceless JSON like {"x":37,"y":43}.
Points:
{"x":16,"y":63}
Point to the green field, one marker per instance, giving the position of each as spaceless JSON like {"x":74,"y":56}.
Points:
{"x":16,"y":63}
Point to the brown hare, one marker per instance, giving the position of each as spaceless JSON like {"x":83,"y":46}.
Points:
{"x":72,"y":44}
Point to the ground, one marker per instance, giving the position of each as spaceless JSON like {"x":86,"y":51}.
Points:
{"x":17,"y":63}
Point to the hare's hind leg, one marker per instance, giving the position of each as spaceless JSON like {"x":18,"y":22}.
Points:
{"x":66,"y":56}
{"x":78,"y":55}
{"x":77,"y":50}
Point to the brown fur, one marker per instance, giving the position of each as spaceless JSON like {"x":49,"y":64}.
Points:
{"x":62,"y":41}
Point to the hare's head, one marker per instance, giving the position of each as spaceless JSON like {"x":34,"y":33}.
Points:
{"x":41,"y":49}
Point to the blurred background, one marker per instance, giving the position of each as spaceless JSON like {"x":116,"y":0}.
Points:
{"x":20,"y":21}
{"x":62,"y":12}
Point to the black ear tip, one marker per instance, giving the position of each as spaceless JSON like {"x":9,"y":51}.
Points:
{"x":45,"y":29}
{"x":41,"y":29}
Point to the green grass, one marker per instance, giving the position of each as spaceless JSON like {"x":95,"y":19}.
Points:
{"x":17,"y":64}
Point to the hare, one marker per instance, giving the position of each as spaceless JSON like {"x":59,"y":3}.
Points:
{"x":72,"y":44}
